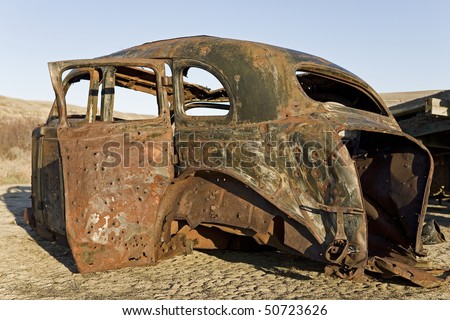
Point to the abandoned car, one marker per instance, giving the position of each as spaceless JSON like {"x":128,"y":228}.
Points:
{"x":286,"y":150}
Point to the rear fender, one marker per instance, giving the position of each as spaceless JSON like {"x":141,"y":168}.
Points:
{"x":226,"y":204}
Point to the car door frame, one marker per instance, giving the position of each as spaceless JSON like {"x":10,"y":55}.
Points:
{"x":110,"y":210}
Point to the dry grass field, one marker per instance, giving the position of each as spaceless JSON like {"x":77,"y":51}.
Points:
{"x":17,"y":120}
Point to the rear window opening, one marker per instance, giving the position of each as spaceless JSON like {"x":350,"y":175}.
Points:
{"x":324,"y":89}
{"x":204,"y":94}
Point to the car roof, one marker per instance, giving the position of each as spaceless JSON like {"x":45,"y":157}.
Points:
{"x":204,"y":47}
{"x":260,"y":69}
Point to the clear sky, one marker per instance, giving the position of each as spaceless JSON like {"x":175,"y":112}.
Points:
{"x":393,"y":45}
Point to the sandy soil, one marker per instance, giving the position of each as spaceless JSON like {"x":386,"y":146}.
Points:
{"x":33,"y":268}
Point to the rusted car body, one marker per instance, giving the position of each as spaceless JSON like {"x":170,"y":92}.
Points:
{"x":305,"y":157}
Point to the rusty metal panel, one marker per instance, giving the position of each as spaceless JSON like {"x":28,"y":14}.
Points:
{"x":51,"y":184}
{"x":391,"y":266}
{"x":47,"y":214}
{"x":111,"y":207}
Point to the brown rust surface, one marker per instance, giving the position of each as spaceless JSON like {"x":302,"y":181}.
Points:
{"x":293,"y":165}
{"x":110,"y":211}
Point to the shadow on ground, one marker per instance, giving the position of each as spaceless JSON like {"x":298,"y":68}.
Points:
{"x":16,"y":199}
{"x":271,"y":262}
{"x":439,"y":212}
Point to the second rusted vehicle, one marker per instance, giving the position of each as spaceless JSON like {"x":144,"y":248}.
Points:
{"x":288,"y":150}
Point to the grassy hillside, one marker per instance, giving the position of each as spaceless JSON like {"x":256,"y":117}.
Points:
{"x":17,"y":120}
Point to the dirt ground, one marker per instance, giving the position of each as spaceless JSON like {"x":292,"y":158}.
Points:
{"x":33,"y":268}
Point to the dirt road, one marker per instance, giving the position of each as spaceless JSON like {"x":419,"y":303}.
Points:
{"x":32,"y":268}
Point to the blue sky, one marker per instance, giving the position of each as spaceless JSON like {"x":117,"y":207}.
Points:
{"x":393,"y":45}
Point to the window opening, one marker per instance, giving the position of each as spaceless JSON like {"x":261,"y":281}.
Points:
{"x":204,"y":94}
{"x":324,"y":89}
